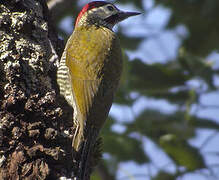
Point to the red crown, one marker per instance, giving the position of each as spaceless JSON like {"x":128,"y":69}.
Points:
{"x":88,"y":7}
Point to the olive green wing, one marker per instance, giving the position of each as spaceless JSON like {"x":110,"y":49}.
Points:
{"x":84,"y":92}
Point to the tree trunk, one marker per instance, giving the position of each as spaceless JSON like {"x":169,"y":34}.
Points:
{"x":35,"y":122}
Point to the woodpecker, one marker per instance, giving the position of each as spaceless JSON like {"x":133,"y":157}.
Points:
{"x":90,"y":68}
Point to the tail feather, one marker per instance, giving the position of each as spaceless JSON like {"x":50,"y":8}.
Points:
{"x":78,"y":137}
{"x":87,"y":147}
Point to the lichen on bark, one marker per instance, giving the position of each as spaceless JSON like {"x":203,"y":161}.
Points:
{"x":33,"y":144}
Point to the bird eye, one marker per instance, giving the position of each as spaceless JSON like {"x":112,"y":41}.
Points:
{"x":110,"y":8}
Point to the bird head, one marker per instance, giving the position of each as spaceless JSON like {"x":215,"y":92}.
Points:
{"x":101,"y":13}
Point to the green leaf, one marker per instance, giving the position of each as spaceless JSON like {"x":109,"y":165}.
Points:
{"x":164,"y":176}
{"x":124,"y":148}
{"x":181,"y":152}
{"x":201,"y":20}
{"x":204,"y":123}
{"x":95,"y":176}
{"x":197,"y":66}
{"x":155,"y":77}
{"x":179,"y":97}
{"x":155,"y":124}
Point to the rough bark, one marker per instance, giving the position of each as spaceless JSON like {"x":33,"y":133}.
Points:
{"x":35,"y":123}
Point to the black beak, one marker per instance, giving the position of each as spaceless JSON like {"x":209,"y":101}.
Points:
{"x":120,"y":16}
{"x":124,"y":15}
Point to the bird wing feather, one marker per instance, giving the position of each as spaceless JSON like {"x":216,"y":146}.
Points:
{"x":86,"y":55}
{"x":83,"y":93}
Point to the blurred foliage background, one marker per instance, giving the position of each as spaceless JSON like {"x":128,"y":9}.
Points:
{"x":165,"y":120}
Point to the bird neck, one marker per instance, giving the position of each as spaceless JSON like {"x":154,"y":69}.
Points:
{"x":93,"y":30}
